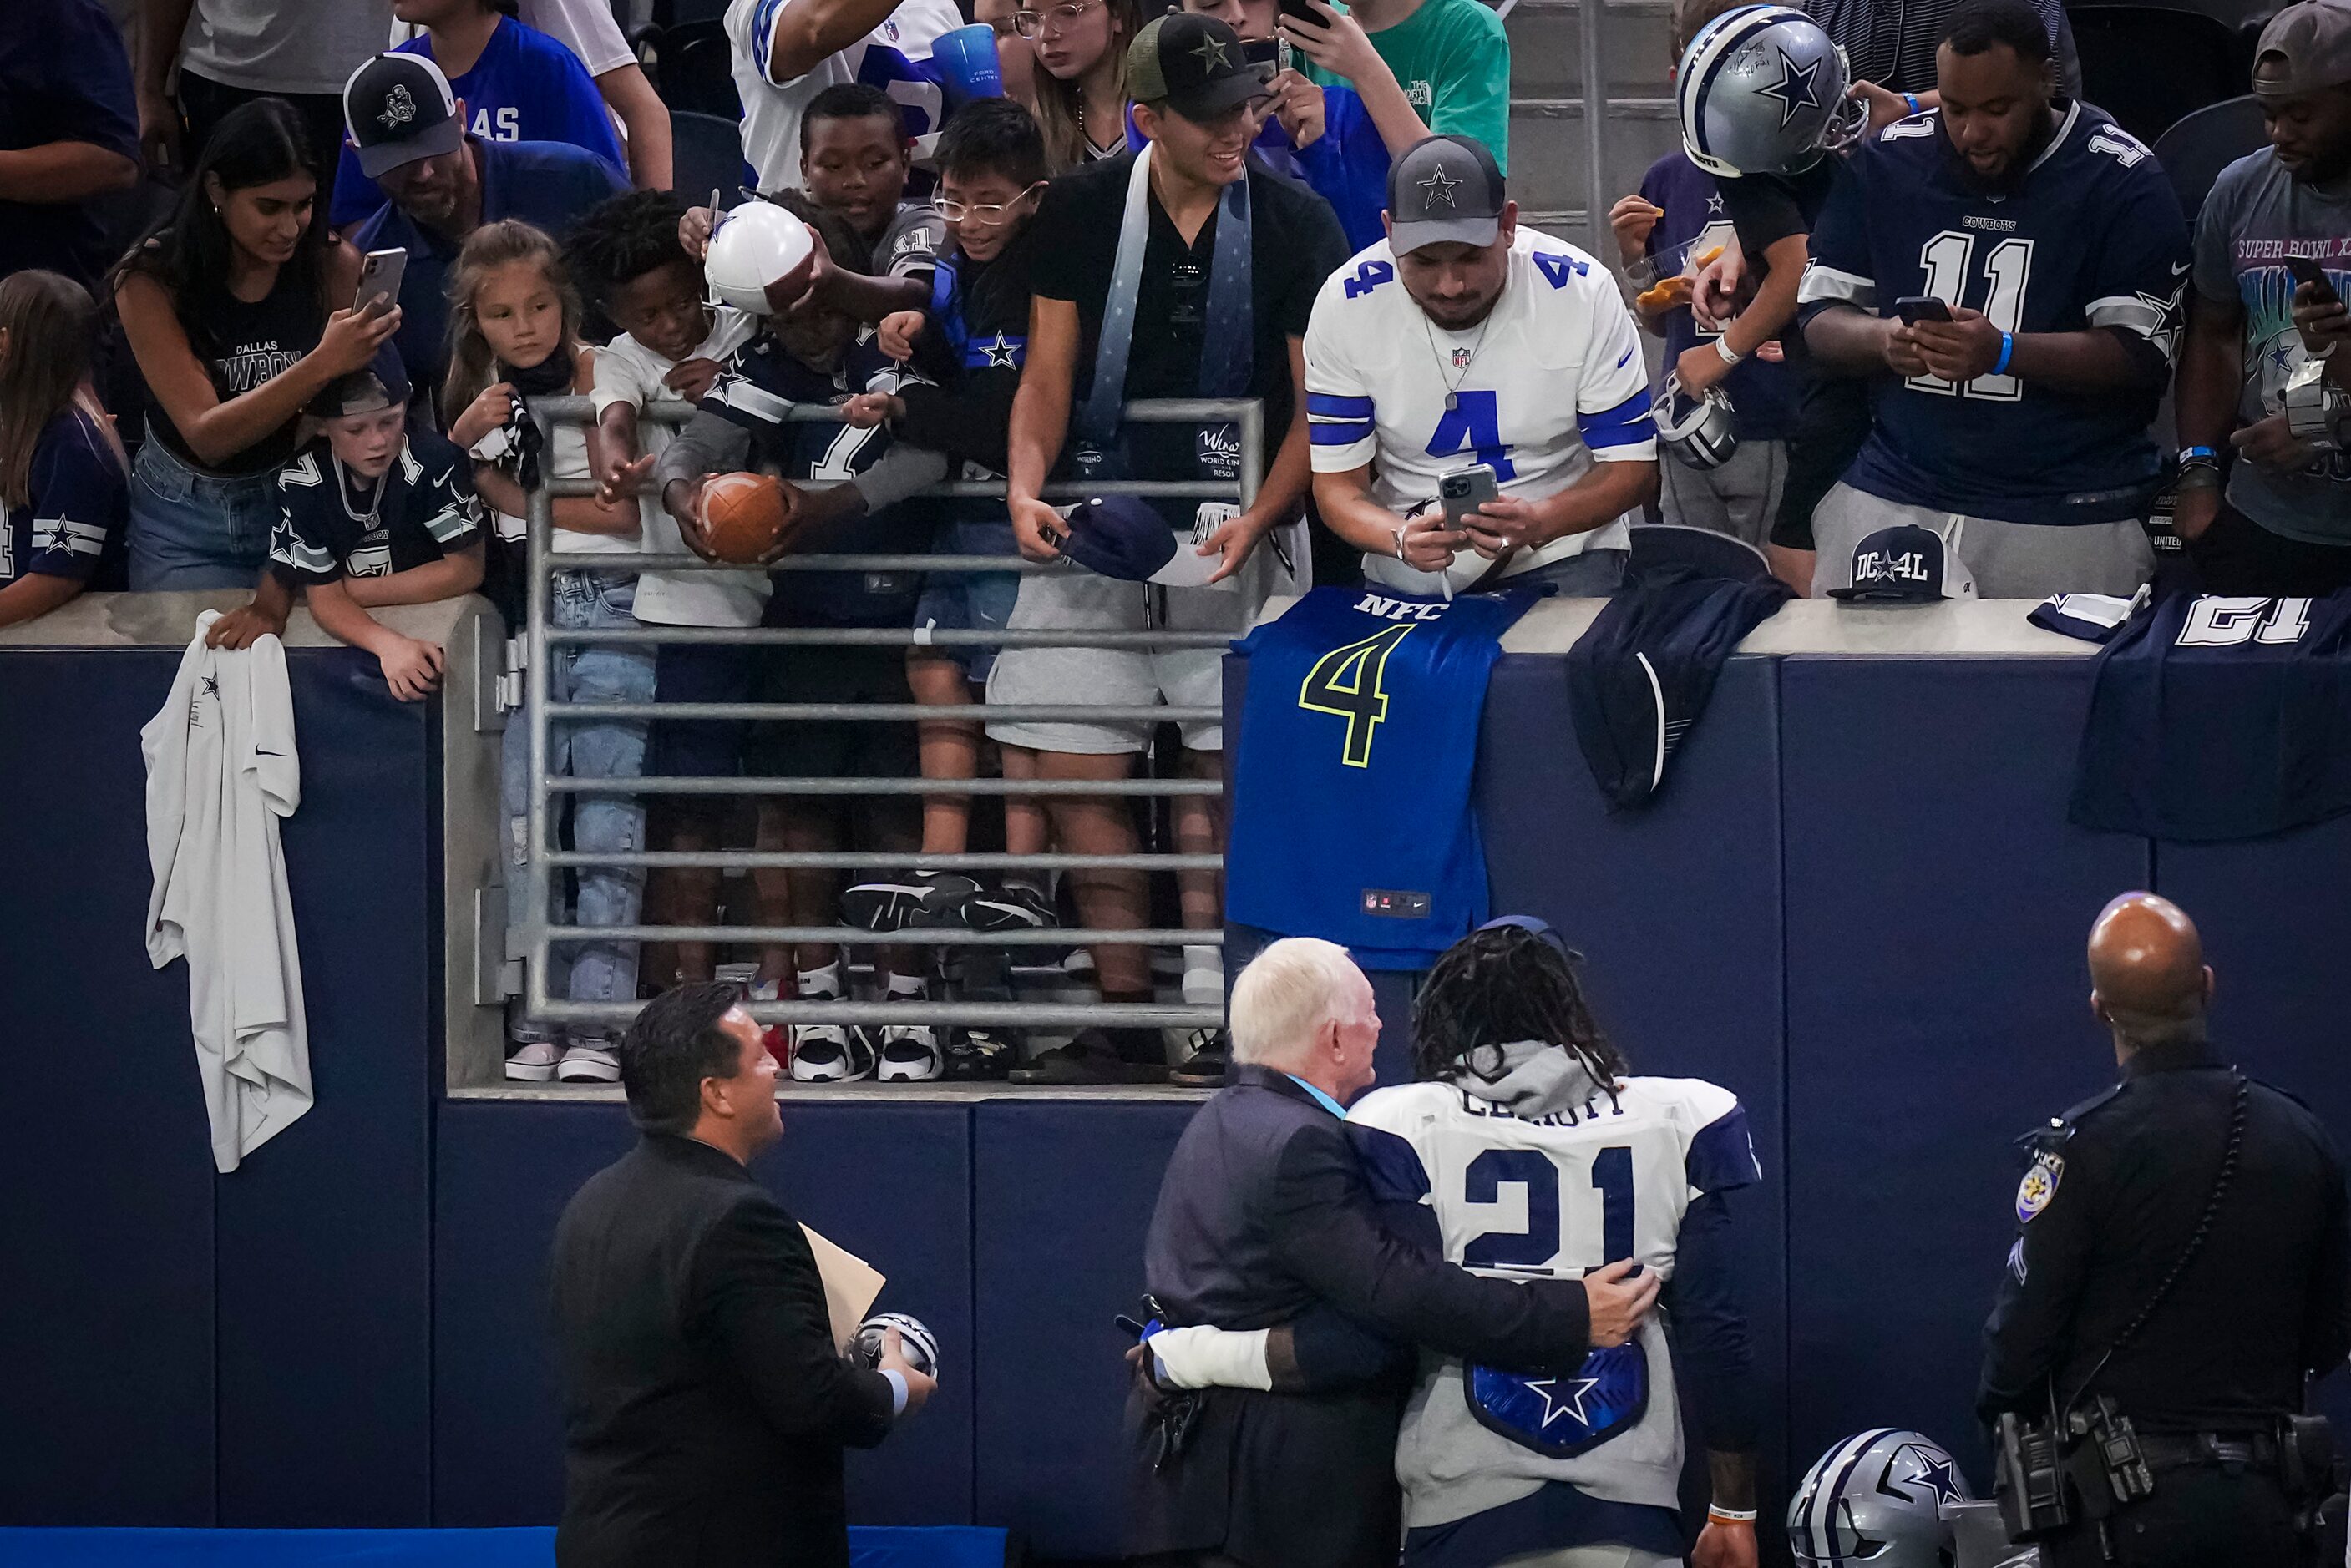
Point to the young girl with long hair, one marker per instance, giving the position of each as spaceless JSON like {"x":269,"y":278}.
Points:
{"x":1080,"y":74}
{"x":515,"y":334}
{"x":230,"y":310}
{"x":63,"y":477}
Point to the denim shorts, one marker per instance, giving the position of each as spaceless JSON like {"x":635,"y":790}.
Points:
{"x":971,"y":601}
{"x":191,"y":530}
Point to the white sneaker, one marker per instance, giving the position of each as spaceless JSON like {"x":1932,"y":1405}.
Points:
{"x":829,"y":1054}
{"x":533,"y":1061}
{"x":910,"y":1055}
{"x":589,"y":1059}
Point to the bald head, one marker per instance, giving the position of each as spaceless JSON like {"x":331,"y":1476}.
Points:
{"x":2146,"y":970}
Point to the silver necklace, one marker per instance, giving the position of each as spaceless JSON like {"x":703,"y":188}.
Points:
{"x":1466,"y":361}
{"x":375,"y":497}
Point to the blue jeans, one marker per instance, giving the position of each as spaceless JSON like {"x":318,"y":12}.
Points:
{"x":603,"y":748}
{"x":190,"y":530}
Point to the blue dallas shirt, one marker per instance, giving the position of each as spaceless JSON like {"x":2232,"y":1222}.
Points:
{"x":526,"y":88}
{"x":2091,"y":235}
{"x":542,"y":182}
{"x":1351,"y":818}
{"x":1762,"y":396}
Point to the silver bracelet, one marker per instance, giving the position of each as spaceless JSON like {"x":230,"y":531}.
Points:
{"x":1396,"y":535}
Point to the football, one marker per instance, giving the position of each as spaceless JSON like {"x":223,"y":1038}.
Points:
{"x":744,"y":515}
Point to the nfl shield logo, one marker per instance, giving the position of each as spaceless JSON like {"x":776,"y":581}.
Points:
{"x":1460,"y":357}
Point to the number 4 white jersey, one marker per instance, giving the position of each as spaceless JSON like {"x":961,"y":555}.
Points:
{"x":1550,"y":381}
{"x":1550,"y":1196}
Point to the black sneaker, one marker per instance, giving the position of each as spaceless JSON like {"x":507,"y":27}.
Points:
{"x":1010,"y":906}
{"x":1088,"y":1059}
{"x":979,"y":1056}
{"x":916,"y":899}
{"x":1205,"y":1068}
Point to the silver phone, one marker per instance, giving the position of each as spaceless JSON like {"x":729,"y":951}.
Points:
{"x":379,"y":277}
{"x":1464,"y":491}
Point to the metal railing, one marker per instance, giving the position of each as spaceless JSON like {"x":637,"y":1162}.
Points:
{"x":539,"y":931}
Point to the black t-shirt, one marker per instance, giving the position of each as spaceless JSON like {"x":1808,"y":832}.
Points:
{"x":1766,"y":209}
{"x":974,"y":342}
{"x":333,"y":524}
{"x":1295,"y":243}
{"x":242,"y":344}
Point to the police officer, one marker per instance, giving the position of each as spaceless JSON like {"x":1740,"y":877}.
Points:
{"x":2181,"y":1252}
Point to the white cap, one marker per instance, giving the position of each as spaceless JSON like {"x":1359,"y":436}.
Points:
{"x":754,"y":247}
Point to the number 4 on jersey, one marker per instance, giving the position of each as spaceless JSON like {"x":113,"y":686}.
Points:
{"x":1347,"y":683}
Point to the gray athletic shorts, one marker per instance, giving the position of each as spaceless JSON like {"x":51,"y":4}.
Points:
{"x":1075,"y":599}
{"x":2008,"y":560}
{"x":1740,"y":498}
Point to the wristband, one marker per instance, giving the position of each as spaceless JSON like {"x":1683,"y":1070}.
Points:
{"x":1912,"y":99}
{"x":2007,"y":352}
{"x":2189,"y":454}
{"x":1722,"y":347}
{"x":1731,"y":1515}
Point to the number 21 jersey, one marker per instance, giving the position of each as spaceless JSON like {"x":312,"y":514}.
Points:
{"x":2091,"y":235}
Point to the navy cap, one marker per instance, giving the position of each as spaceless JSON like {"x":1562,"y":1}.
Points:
{"x":1125,"y":536}
{"x":1906,"y":565}
{"x":382,"y":383}
{"x":1540,"y":929}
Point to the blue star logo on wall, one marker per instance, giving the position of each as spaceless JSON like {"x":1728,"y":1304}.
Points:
{"x":1798,"y":87}
{"x":1556,"y":1403}
{"x":1931,"y":1470}
{"x":1001,"y":354}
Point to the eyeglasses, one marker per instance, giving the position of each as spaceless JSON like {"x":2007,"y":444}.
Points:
{"x":1058,"y":19}
{"x":987,"y":214}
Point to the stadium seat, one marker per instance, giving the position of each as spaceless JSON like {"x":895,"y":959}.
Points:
{"x":692,"y":70}
{"x":2194,"y":151}
{"x":706,"y":154}
{"x":2149,"y":64}
{"x":1702,"y":550}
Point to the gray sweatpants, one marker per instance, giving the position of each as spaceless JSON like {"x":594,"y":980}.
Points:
{"x":2008,"y":560}
{"x":1740,"y":498}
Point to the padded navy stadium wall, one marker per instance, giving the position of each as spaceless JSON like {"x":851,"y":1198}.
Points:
{"x":1857,"y":904}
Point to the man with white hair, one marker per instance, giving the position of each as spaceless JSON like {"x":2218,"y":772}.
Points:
{"x":1267,"y":1226}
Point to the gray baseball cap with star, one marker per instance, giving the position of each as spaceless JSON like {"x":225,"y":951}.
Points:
{"x":1445,"y":191}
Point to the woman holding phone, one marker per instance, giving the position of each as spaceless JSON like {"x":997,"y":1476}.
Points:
{"x":236,"y":310}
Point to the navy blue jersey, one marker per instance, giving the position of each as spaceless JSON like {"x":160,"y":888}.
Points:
{"x":2218,"y":718}
{"x":332,"y":524}
{"x":762,"y":381}
{"x":73,"y":522}
{"x":1763,"y":395}
{"x":2091,"y":235}
{"x":1351,"y":817}
{"x":969,"y":353}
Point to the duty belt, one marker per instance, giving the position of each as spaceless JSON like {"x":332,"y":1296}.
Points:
{"x":2254,"y":1451}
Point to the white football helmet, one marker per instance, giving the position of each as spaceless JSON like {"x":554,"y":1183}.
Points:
{"x":921,"y":1347}
{"x":755,"y":248}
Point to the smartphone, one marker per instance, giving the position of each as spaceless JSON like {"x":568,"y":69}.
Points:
{"x":379,"y":277}
{"x":2307,"y":270}
{"x":1304,"y":13}
{"x":1464,"y":491}
{"x":1263,"y":52}
{"x":1920,"y":308}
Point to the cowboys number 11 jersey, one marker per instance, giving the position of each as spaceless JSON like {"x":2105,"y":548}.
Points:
{"x":1553,"y":1197}
{"x":2091,"y":235}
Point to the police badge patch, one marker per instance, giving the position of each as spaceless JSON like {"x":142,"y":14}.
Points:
{"x":2039,"y":1186}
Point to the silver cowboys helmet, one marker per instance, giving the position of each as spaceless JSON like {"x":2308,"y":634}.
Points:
{"x":919,"y":1343}
{"x":756,"y":248}
{"x":1762,"y":90}
{"x":1697,"y":431}
{"x":1878,"y":1497}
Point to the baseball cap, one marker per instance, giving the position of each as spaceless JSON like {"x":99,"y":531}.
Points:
{"x":1906,"y":565}
{"x":398,"y":109}
{"x":1123,"y":536}
{"x":1193,"y":64}
{"x":2305,"y":48}
{"x":382,"y":383}
{"x":1445,"y":191}
{"x":1538,"y":928}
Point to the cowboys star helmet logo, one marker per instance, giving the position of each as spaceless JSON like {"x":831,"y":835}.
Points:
{"x":399,"y":109}
{"x":1439,"y":186}
{"x":1797,"y":87}
{"x":1915,"y":1465}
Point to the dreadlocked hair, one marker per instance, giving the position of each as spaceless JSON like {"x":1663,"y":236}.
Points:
{"x":1498,"y":986}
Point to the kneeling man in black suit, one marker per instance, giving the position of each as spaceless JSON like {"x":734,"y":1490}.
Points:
{"x":705,"y":1407}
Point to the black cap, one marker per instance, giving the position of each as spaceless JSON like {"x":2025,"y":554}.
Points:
{"x":398,"y":109}
{"x":382,"y":383}
{"x":1192,"y":63}
{"x":1906,"y":565}
{"x":1445,"y":191}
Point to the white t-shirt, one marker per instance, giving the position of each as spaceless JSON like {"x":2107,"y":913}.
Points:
{"x":565,"y":457}
{"x":628,"y":372}
{"x":772,"y":110}
{"x":283,"y":46}
{"x":1550,"y":382}
{"x":586,"y":27}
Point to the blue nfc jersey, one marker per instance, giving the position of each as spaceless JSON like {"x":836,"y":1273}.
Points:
{"x":2090,"y":235}
{"x":1352,"y":816}
{"x":2220,"y":718}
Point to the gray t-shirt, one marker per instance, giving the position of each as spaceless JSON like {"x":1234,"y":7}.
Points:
{"x":2258,"y":215}
{"x":1894,"y":46}
{"x":284,"y":45}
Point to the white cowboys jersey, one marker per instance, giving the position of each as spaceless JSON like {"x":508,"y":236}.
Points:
{"x":1550,"y":1197}
{"x":890,"y":56}
{"x":1550,"y":381}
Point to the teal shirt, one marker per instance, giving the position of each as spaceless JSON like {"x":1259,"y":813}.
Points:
{"x":1452,"y":58}
{"x":1325,"y":1101}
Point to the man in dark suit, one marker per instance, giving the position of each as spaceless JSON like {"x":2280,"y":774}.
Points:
{"x":705,"y":1407}
{"x":1266,"y":1224}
